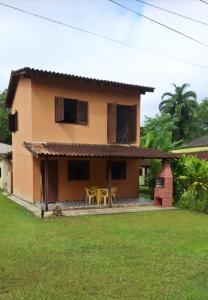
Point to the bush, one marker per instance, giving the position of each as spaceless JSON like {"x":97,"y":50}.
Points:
{"x":191,"y":184}
{"x":57,"y":211}
{"x":190,"y":201}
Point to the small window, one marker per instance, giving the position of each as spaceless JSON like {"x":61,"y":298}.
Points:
{"x":13,"y":119}
{"x":0,"y":172}
{"x":118,"y":169}
{"x":71,"y":111}
{"x":78,"y":170}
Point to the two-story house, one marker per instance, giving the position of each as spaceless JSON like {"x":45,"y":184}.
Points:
{"x":70,"y":132}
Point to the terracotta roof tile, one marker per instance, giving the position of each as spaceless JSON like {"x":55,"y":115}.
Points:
{"x":94,"y":150}
{"x":30,"y":72}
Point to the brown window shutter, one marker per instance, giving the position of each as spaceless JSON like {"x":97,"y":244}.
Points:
{"x":13,"y":122}
{"x":133,"y":124}
{"x":82,"y":112}
{"x":59,"y":109}
{"x":111,"y":123}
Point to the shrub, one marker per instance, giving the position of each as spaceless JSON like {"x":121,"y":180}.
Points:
{"x":189,"y":201}
{"x":191,"y":184}
{"x":57,"y":211}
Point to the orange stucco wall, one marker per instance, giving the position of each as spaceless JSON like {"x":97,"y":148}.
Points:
{"x":44,"y":127}
{"x":22,"y":159}
{"x":34,"y":101}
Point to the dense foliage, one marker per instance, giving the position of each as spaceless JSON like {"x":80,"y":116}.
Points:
{"x":5,"y":135}
{"x":192,"y":184}
{"x":180,"y":119}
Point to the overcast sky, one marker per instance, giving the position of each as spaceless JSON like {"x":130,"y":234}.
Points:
{"x":29,"y":41}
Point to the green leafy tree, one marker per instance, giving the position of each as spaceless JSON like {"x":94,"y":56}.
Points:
{"x":5,"y":135}
{"x":157,"y":133}
{"x":200,"y":122}
{"x":181,"y":106}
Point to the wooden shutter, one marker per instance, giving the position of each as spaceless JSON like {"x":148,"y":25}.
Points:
{"x":111,"y":123}
{"x":13,"y":122}
{"x":132,"y":124}
{"x":82,"y":112}
{"x":59,"y":109}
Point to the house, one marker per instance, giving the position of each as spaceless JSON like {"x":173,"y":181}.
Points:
{"x":197,"y":147}
{"x":5,"y":176}
{"x":70,"y":132}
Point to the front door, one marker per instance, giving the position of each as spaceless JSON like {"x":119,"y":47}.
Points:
{"x":50,"y":180}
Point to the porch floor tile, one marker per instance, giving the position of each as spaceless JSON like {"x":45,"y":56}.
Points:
{"x":113,"y":210}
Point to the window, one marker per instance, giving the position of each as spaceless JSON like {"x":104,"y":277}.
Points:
{"x":118,"y":169}
{"x":13,"y":118}
{"x":71,"y":111}
{"x":78,"y":170}
{"x":0,"y":172}
{"x":122,"y":124}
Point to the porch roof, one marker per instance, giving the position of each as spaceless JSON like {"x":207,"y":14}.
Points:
{"x":94,"y":150}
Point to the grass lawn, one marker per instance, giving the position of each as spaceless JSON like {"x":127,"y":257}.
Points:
{"x":150,"y":255}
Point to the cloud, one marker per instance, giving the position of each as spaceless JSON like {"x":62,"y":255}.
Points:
{"x":28,"y":41}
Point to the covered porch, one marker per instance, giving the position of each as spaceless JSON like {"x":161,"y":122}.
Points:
{"x":66,"y":170}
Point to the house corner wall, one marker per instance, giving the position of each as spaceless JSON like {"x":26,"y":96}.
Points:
{"x":22,"y":159}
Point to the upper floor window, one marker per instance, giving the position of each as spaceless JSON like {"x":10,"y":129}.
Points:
{"x":13,"y":122}
{"x":71,"y":111}
{"x":122,"y":124}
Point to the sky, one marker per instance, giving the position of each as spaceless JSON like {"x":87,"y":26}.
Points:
{"x":28,"y":41}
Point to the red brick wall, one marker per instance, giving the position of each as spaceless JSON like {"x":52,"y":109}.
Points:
{"x":164,"y":195}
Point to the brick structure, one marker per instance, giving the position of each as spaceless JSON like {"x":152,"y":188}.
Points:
{"x":163,"y":192}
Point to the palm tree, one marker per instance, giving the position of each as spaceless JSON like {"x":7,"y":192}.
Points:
{"x":181,"y":106}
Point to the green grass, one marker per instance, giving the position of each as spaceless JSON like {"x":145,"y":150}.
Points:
{"x":152,"y":255}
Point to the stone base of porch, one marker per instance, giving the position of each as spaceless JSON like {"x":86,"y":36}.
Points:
{"x":120,"y":206}
{"x":69,"y":205}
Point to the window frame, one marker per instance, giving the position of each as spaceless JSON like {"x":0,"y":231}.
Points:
{"x":70,"y":167}
{"x":112,"y":123}
{"x":113,"y":163}
{"x":81,"y":111}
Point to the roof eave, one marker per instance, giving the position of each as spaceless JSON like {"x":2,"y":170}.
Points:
{"x":15,"y":75}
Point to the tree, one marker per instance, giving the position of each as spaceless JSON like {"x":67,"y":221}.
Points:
{"x":201,"y":119}
{"x":5,"y":135}
{"x":157,"y":133}
{"x":181,"y":106}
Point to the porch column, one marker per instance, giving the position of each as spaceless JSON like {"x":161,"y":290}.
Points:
{"x":46,"y":184}
{"x":109,"y":182}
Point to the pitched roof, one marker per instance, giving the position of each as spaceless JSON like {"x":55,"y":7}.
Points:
{"x":94,"y":150}
{"x":199,"y":142}
{"x":30,"y":72}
